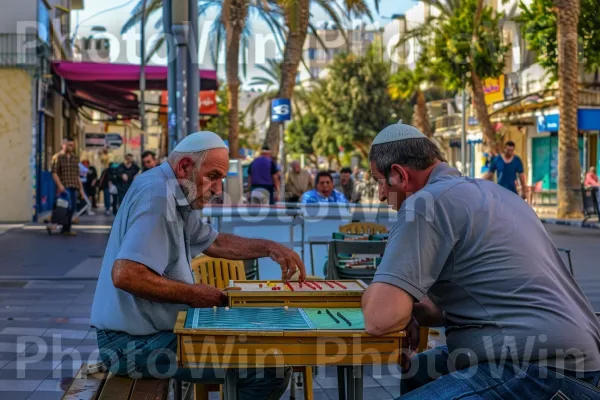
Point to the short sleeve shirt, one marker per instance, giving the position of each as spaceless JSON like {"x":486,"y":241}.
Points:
{"x":314,"y":196}
{"x":482,"y":255}
{"x":507,"y":172}
{"x":67,"y":169}
{"x":156,"y":227}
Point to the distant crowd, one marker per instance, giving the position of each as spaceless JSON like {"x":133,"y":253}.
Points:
{"x":308,"y":185}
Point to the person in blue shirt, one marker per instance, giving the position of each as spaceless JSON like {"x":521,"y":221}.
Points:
{"x":508,"y":166}
{"x":324,"y":191}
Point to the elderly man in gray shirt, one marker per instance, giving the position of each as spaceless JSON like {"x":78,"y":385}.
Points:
{"x":146,"y":278}
{"x":468,"y":255}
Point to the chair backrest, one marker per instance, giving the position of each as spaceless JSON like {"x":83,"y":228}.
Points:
{"x":363,"y":227}
{"x":217,"y":272}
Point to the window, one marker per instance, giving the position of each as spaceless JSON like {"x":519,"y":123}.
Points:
{"x":312,"y":53}
{"x":43,"y":21}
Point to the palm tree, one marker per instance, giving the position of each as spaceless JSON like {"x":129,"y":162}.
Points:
{"x":270,"y":81}
{"x":406,"y":84}
{"x":297,"y":20}
{"x":231,"y":25}
{"x":466,"y":47}
{"x":569,"y":170}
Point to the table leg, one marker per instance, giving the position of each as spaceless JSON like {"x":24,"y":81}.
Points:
{"x":230,"y":386}
{"x":350,"y":383}
{"x":312,"y":259}
{"x":341,"y":383}
{"x":357,"y":371}
{"x":177,"y":390}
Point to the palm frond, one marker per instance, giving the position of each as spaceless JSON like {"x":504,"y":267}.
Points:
{"x":136,"y":14}
{"x":155,"y":46}
{"x":216,"y":36}
{"x":329,"y":9}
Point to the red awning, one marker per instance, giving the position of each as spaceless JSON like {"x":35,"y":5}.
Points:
{"x":109,"y":87}
{"x":125,"y":75}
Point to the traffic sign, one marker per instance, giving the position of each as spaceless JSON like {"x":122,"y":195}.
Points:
{"x":281,"y":110}
{"x":94,"y":141}
{"x":113,"y":140}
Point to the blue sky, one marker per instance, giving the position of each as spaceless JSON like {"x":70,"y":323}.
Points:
{"x":112,"y":14}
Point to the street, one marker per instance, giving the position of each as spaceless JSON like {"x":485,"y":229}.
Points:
{"x":48,"y":284}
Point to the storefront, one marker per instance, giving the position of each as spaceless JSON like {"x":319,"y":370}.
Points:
{"x":544,"y":145}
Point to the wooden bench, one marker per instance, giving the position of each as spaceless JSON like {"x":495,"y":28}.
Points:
{"x":89,"y":385}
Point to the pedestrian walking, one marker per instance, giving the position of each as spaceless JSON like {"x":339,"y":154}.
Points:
{"x":65,"y":173}
{"x":298,"y":181}
{"x":126,"y":173}
{"x":508,"y":167}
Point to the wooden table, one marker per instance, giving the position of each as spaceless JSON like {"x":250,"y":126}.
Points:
{"x":227,"y":349}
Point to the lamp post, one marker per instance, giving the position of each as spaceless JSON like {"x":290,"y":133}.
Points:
{"x":143,"y":79}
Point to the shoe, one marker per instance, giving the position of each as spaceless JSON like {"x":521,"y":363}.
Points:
{"x":49,"y":229}
{"x":75,"y":220}
{"x":70,"y":233}
{"x":91,"y":213}
{"x":107,"y":213}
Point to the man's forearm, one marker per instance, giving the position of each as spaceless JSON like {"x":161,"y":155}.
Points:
{"x":523,"y":182}
{"x":56,"y":179}
{"x":237,"y":248}
{"x":427,"y":314}
{"x":138,"y":280}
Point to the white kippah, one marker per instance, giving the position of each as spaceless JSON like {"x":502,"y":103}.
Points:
{"x":200,"y":141}
{"x":396,"y":132}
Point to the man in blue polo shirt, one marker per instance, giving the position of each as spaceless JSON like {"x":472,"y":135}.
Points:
{"x":508,"y":166}
{"x":146,"y":279}
{"x":264,"y":174}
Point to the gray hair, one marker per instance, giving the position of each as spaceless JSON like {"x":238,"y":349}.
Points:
{"x":198,"y":157}
{"x":418,"y":154}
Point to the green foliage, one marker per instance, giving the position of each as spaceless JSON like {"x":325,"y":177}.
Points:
{"x":353,"y":104}
{"x":220,"y":123}
{"x":452,"y":53}
{"x":300,"y":134}
{"x":538,"y":24}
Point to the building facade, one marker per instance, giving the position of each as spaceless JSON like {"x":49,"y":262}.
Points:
{"x":34,"y":118}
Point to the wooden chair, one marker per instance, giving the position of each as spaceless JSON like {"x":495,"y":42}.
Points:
{"x":363,"y":228}
{"x":218,"y":272}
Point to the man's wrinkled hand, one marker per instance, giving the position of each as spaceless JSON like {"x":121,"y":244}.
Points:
{"x":412,"y":344}
{"x":208,"y":296}
{"x":289,"y":261}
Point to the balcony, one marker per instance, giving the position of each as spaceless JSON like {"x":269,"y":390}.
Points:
{"x":22,"y":51}
{"x":447,"y":122}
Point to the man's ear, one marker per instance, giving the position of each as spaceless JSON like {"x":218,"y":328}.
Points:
{"x":183,"y":168}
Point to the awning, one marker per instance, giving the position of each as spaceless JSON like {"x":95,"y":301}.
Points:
{"x":125,"y":76}
{"x":110,"y":88}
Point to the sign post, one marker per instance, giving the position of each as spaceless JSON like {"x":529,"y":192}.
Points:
{"x":281,"y":111}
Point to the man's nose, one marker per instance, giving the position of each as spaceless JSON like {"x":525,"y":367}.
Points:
{"x":217,"y":187}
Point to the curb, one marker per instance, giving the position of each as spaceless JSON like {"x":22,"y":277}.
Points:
{"x":577,"y":224}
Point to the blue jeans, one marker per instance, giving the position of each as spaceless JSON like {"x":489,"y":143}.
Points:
{"x":154,"y":356}
{"x":430,"y":377}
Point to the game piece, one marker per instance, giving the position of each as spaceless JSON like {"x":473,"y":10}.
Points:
{"x":301,"y":285}
{"x":226,"y":308}
{"x":318,"y":286}
{"x":330,"y":285}
{"x":215,"y":308}
{"x":339,"y":314}
{"x":319,"y":312}
{"x":285,"y":308}
{"x":289,"y":286}
{"x":260,"y":285}
{"x":268,"y":284}
{"x":331,"y":315}
{"x":273,"y":288}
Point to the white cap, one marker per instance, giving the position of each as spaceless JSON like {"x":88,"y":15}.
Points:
{"x":396,"y":132}
{"x":200,"y":141}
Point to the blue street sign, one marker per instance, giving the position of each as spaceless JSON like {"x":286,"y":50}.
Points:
{"x":281,"y":110}
{"x":547,"y":123}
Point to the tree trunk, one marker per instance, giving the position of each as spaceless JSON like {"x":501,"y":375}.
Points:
{"x":296,"y":18}
{"x":482,"y":114}
{"x":481,"y":110}
{"x":421,"y":117}
{"x":569,"y":170}
{"x":233,"y":17}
